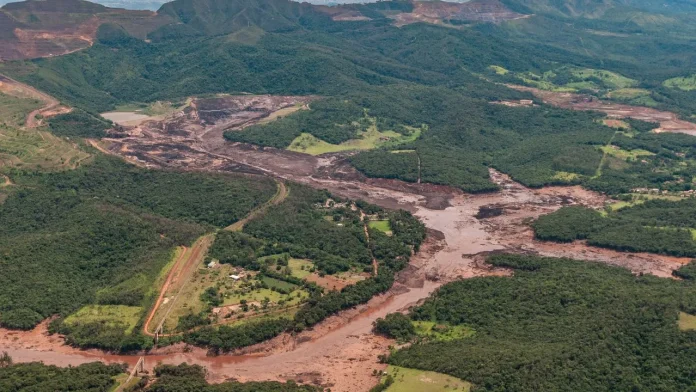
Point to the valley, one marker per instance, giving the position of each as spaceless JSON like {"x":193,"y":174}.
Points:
{"x":393,"y":196}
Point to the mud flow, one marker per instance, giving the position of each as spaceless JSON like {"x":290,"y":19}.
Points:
{"x":669,"y":122}
{"x":341,"y":352}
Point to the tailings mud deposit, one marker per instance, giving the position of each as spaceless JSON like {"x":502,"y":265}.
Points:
{"x":669,"y":122}
{"x":340,"y":353}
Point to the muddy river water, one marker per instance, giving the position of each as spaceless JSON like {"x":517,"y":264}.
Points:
{"x":341,"y":352}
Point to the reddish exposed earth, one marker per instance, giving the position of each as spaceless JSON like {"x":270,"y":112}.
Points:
{"x":341,"y":352}
{"x":669,"y":122}
{"x":441,"y":12}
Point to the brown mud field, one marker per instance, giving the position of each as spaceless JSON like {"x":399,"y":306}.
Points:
{"x":341,"y":352}
{"x":669,"y":122}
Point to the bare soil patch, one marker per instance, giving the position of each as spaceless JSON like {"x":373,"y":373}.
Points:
{"x":341,"y":352}
{"x":669,"y":122}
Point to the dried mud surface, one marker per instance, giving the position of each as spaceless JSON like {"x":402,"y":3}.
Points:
{"x":669,"y":122}
{"x":341,"y":352}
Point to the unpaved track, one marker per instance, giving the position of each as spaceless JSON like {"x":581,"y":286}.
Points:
{"x":278,"y":198}
{"x":163,"y":291}
{"x":51,"y":105}
{"x":341,"y":352}
{"x":180,"y":276}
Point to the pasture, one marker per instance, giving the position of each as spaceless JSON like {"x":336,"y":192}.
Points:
{"x":370,"y":139}
{"x":381,"y":225}
{"x":442,"y":332}
{"x":111,"y":315}
{"x":413,"y":380}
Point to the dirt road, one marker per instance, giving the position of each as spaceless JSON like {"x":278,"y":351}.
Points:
{"x":180,"y":274}
{"x":51,"y":106}
{"x":341,"y":352}
{"x":669,"y":122}
{"x":278,"y":198}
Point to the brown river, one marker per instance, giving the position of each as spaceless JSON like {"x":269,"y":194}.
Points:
{"x":341,"y":352}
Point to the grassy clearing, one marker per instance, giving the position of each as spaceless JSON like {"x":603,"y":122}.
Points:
{"x":498,"y":70}
{"x":628,"y":93}
{"x":281,"y":113}
{"x":381,"y":225}
{"x":231,"y":292}
{"x":278,"y":284}
{"x":14,"y":111}
{"x":566,"y":176}
{"x":610,"y":79}
{"x":112,"y":315}
{"x":687,"y":322}
{"x":300,"y":268}
{"x":370,"y":139}
{"x":34,"y":149}
{"x":120,"y":382}
{"x":687,"y":83}
{"x":413,"y":380}
{"x":442,"y":332}
{"x":624,"y":154}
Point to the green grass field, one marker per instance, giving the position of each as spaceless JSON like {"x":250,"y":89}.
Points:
{"x":610,"y":79}
{"x":687,"y":83}
{"x":441,"y":332}
{"x":300,"y":267}
{"x":628,"y":93}
{"x":108,"y":314}
{"x":278,"y":284}
{"x":381,"y":225}
{"x":623,"y":154}
{"x":370,"y":139}
{"x":413,"y":380}
{"x":687,"y":322}
{"x":14,"y":111}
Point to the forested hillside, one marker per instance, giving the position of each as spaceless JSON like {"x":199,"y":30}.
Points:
{"x":379,"y":79}
{"x":102,"y":233}
{"x":560,"y":325}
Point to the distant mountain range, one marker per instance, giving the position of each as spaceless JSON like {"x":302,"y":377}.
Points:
{"x":154,"y":5}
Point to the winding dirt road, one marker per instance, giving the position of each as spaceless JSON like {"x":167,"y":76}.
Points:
{"x":52,"y":106}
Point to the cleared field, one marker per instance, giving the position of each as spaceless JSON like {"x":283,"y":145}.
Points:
{"x":566,"y":176}
{"x":687,"y":322}
{"x":413,"y":380}
{"x":300,"y":268}
{"x":232,"y":292}
{"x":14,"y":110}
{"x":624,"y":154}
{"x":611,"y":79}
{"x":441,"y":332}
{"x":112,"y":315}
{"x":628,"y":93}
{"x":282,"y":113}
{"x":381,"y":225}
{"x":278,"y":284}
{"x":687,"y":83}
{"x":498,"y":70}
{"x":370,"y":139}
{"x":30,"y":148}
{"x":121,"y":385}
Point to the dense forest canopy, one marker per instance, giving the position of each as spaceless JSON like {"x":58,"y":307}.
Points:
{"x":561,"y":325}
{"x":418,"y":76}
{"x":106,"y":225}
